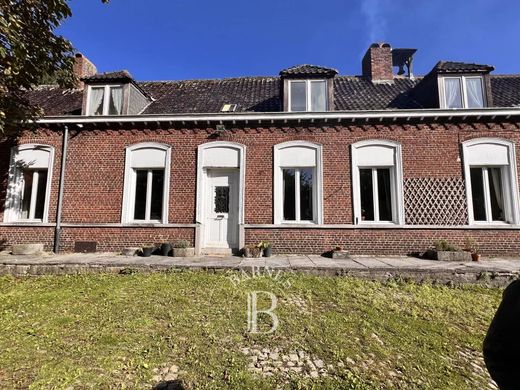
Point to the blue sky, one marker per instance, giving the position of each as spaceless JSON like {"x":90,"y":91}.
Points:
{"x":186,"y":39}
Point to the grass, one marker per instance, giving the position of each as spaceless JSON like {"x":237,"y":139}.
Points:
{"x":112,"y":331}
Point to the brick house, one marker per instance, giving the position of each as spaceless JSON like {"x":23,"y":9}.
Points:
{"x":380,"y":163}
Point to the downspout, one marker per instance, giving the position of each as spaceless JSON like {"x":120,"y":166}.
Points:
{"x":57,"y":229}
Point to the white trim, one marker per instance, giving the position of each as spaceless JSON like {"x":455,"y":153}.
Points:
{"x":435,"y":113}
{"x":463,"y":92}
{"x":106,"y":98}
{"x":129,"y":184}
{"x":278,"y":182}
{"x":510,"y":184}
{"x":396,"y":183}
{"x":12,"y":208}
{"x":201,"y":183}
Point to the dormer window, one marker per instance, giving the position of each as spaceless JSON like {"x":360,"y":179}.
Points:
{"x":308,"y":95}
{"x":463,"y":92}
{"x":105,"y":100}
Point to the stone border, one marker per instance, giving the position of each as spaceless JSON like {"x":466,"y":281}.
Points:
{"x":494,"y":278}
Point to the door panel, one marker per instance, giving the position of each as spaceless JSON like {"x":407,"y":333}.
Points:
{"x":221,"y":209}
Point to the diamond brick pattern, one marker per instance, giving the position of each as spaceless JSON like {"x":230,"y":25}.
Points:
{"x":435,"y":201}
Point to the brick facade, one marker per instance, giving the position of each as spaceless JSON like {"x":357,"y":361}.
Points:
{"x":95,"y":174}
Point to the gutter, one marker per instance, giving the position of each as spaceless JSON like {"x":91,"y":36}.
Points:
{"x":332,"y":116}
{"x":57,"y":228}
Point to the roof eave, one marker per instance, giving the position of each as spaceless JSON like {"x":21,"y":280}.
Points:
{"x":261,"y":117}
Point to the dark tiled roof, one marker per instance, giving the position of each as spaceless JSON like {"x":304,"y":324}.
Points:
{"x":257,"y":94}
{"x":55,"y":100}
{"x":461,"y":67}
{"x":308,"y":70}
{"x":506,"y":90}
{"x":358,"y":93}
{"x":120,"y":75}
{"x":262,"y":94}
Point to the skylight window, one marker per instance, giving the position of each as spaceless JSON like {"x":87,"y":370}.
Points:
{"x":229,"y":108}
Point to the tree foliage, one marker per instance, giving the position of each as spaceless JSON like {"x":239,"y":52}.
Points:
{"x":30,"y":51}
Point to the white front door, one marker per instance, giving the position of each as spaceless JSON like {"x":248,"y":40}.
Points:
{"x":221,"y":208}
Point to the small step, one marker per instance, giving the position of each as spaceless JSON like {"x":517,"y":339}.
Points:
{"x":217,"y":251}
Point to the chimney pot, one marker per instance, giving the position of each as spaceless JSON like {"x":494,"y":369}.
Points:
{"x":377,"y":62}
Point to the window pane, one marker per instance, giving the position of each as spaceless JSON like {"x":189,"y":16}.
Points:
{"x":40,"y":194}
{"x":306,"y":183}
{"x":27,"y":191}
{"x":156,"y":207}
{"x":367,"y":194}
{"x":496,"y":194}
{"x":474,"y":92}
{"x":140,"y":194}
{"x":384,"y":194}
{"x":222,"y":199}
{"x":289,"y":207}
{"x":477,"y":194}
{"x":318,"y":96}
{"x":116,"y":101}
{"x":96,"y":101}
{"x":453,"y":93}
{"x":298,"y":95}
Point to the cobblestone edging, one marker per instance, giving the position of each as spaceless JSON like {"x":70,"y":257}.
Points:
{"x":474,"y":276}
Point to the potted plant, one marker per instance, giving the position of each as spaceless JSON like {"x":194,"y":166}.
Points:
{"x":166,"y":248}
{"x":148,"y":250}
{"x":446,"y":251}
{"x":182,"y":249}
{"x":252,"y":251}
{"x":471,"y":246}
{"x":266,"y":247}
{"x":340,"y":253}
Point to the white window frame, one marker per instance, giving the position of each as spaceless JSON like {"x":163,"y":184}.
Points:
{"x":15,"y":190}
{"x":317,"y":185}
{"x":463,"y":92}
{"x":308,"y":99}
{"x":396,"y":182}
{"x":106,"y":97}
{"x":509,"y":183}
{"x":127,"y":215}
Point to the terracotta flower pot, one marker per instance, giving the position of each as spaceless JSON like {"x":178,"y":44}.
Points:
{"x":475,"y":256}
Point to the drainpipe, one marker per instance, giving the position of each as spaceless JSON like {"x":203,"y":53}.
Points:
{"x":57,"y":229}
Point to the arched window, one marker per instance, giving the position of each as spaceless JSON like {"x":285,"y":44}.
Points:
{"x":29,"y":186}
{"x":147,"y":178}
{"x":377,"y":182}
{"x":298,"y":183}
{"x":491,"y":181}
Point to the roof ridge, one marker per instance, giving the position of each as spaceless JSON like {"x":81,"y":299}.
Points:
{"x":214,"y":79}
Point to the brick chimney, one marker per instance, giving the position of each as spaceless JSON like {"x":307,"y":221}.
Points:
{"x":83,"y":68}
{"x":377,"y":63}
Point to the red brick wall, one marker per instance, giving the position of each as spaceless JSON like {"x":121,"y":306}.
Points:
{"x":95,"y":175}
{"x":402,"y":241}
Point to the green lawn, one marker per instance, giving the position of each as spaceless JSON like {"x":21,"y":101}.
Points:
{"x":120,"y":331}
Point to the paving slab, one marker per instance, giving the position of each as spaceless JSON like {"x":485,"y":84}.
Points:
{"x":370,"y":262}
{"x":378,"y":267}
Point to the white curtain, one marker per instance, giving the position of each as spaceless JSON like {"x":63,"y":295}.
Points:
{"x":474,"y":91}
{"x":96,"y":101}
{"x":452,"y":91}
{"x":497,"y":186}
{"x":117,"y":99}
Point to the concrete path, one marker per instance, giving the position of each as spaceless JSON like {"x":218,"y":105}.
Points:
{"x":496,"y":270}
